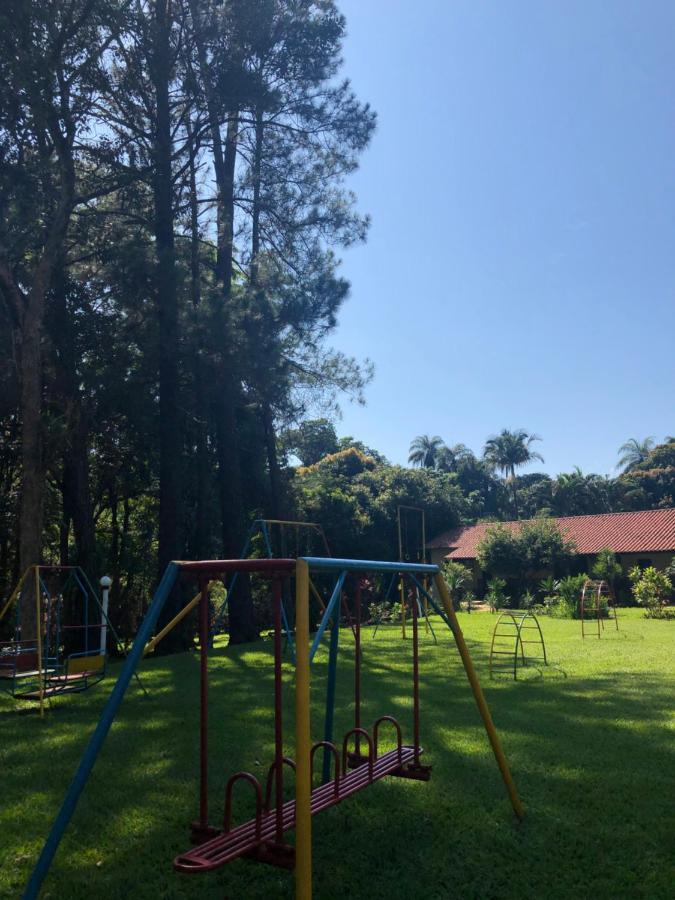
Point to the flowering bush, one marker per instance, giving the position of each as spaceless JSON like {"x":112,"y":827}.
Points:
{"x":651,"y":589}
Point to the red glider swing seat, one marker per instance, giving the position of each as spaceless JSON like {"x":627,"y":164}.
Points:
{"x":259,"y":838}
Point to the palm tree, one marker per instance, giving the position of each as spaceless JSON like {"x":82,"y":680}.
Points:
{"x":426,"y":452}
{"x":508,"y":451}
{"x":633,"y":452}
{"x":576,"y":494}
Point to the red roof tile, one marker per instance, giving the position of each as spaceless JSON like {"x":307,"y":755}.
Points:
{"x":645,"y":531}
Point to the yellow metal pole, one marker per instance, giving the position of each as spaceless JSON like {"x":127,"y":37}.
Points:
{"x":14,"y":594}
{"x":479,"y":698}
{"x":317,"y":595}
{"x":426,"y":606}
{"x":41,"y":687}
{"x":172,"y":624}
{"x":303,"y":775}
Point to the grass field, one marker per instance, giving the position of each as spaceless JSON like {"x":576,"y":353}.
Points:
{"x":591,"y":745}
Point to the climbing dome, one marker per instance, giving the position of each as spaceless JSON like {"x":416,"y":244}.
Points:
{"x":596,"y":602}
{"x":517,"y":642}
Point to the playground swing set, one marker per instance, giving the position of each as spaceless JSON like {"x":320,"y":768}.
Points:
{"x":66,"y":652}
{"x":344,"y":771}
{"x":596,"y":600}
{"x":279,"y":538}
{"x":412,"y":544}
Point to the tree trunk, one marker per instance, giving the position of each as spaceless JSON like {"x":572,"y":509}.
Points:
{"x":31,"y":509}
{"x":277,"y":498}
{"x":167,"y":311}
{"x":199,"y":544}
{"x":227,"y":391}
{"x":77,"y":504}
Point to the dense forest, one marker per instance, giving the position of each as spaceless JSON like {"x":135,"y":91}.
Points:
{"x":174,"y":194}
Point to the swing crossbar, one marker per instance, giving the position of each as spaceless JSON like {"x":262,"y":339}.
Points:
{"x":215,"y":567}
{"x":367,"y":565}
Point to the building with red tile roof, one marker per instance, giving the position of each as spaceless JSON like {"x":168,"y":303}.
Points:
{"x":644,"y":537}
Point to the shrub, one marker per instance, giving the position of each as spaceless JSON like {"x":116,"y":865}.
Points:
{"x":527,"y":600}
{"x":605,"y":567}
{"x":563,"y":600}
{"x":495,"y":594}
{"x":457,"y":577}
{"x":651,"y":589}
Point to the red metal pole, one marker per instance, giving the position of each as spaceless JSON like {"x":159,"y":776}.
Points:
{"x":416,"y":684}
{"x":204,"y":714}
{"x":278,"y":725}
{"x":357,"y":662}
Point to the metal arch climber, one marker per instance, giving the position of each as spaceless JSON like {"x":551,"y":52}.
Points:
{"x":508,"y":641}
{"x":595,"y":597}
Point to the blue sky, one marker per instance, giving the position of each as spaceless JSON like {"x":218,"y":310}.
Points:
{"x":520,"y":268}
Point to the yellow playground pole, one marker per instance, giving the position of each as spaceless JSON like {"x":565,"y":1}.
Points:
{"x":442,"y":589}
{"x":303,"y":774}
{"x":38,"y":623}
{"x":150,"y":646}
{"x":15,"y":593}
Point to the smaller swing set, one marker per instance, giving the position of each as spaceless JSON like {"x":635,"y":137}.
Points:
{"x":515,"y":632}
{"x":66,"y":653}
{"x":410,"y":549}
{"x":282,"y":539}
{"x":597,"y":598}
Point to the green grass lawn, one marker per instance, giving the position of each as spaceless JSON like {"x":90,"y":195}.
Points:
{"x":591,"y":746}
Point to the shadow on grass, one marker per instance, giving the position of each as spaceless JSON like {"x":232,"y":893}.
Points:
{"x":592,"y":757}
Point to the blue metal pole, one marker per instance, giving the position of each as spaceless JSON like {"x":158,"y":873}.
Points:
{"x":330,"y":609}
{"x":98,"y":737}
{"x":330,"y":697}
{"x":262,"y":525}
{"x":368,"y":565}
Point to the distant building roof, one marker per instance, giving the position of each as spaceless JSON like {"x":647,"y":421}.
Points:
{"x":645,"y":531}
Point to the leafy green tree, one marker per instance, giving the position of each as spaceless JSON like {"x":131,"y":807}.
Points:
{"x":606,"y":568}
{"x":355,"y":499}
{"x":576,"y":494}
{"x":508,"y":451}
{"x":649,"y":484}
{"x":535,"y":494}
{"x":521,"y":555}
{"x":311,"y":441}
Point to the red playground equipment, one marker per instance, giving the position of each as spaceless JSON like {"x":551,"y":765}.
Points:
{"x":596,"y":601}
{"x":348,"y":766}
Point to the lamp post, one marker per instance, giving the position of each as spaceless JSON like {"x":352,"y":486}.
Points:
{"x":105,"y":583}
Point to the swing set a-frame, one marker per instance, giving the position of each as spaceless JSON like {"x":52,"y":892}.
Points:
{"x":66,"y":649}
{"x":281,"y":538}
{"x":409,"y":550}
{"x":349,"y":765}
